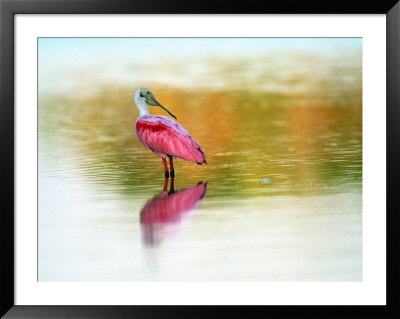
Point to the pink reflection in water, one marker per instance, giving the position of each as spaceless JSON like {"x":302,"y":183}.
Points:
{"x":160,"y":216}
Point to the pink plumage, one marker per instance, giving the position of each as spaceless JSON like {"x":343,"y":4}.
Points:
{"x":165,"y":137}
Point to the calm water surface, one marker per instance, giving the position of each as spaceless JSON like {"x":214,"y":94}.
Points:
{"x":279,"y":200}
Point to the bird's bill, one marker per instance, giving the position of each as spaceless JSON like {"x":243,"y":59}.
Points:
{"x":166,"y":110}
{"x":152,"y":101}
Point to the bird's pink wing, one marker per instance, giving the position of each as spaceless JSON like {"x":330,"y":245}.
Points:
{"x":167,"y":137}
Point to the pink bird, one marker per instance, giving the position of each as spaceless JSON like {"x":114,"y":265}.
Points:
{"x":164,"y":136}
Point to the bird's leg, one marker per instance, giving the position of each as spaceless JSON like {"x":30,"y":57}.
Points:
{"x":171,"y":166}
{"x":165,"y":188}
{"x":171,"y":188}
{"x":166,"y":173}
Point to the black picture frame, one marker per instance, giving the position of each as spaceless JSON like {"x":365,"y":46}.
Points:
{"x":8,"y":8}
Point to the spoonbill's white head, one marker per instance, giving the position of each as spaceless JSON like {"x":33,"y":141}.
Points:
{"x":144,"y":96}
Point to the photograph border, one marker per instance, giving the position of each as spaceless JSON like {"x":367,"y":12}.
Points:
{"x":7,"y":159}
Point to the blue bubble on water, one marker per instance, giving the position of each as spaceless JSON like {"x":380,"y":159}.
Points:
{"x":266,"y":180}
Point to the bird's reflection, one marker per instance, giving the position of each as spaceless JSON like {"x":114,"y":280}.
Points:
{"x":161,"y":215}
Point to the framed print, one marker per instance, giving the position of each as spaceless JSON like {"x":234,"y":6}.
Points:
{"x":162,"y":155}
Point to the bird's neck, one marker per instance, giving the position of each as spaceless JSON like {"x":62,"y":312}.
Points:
{"x":141,"y":104}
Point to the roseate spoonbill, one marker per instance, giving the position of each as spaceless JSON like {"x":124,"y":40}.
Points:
{"x":161,"y":215}
{"x":164,"y":136}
